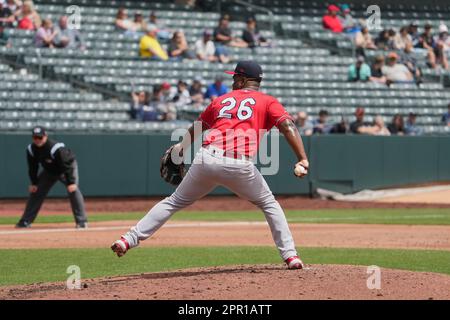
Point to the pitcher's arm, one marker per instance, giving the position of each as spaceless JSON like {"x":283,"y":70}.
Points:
{"x":290,"y":132}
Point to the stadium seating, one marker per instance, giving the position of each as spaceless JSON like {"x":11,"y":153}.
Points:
{"x":306,"y":68}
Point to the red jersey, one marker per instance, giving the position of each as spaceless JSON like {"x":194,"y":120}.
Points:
{"x":239,"y":119}
{"x":332,"y":23}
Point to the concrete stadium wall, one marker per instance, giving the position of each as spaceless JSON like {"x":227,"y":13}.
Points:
{"x":128,"y":165}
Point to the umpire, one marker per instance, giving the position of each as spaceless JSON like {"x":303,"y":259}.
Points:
{"x":58,"y":163}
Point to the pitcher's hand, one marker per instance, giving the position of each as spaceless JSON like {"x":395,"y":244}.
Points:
{"x":305,"y":164}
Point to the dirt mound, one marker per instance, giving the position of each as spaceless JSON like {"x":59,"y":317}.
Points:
{"x":265,"y":282}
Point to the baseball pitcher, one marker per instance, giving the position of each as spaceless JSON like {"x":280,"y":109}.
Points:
{"x":225,"y":160}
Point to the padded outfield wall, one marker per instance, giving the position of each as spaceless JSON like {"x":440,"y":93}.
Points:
{"x":128,"y":165}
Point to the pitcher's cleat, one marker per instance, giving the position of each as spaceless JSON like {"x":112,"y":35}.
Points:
{"x":294,"y":262}
{"x":120,"y":247}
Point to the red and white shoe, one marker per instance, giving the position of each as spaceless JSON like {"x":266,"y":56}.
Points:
{"x":120,"y":247}
{"x":294,"y":262}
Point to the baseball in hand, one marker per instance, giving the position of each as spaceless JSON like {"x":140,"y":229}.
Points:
{"x":300,"y":170}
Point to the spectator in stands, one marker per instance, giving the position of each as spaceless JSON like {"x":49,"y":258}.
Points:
{"x":167,"y":92}
{"x":6,"y":17}
{"x":348,"y":22}
{"x":205,"y":48}
{"x":396,"y":127}
{"x":304,"y":126}
{"x":45,"y":35}
{"x":409,"y":60}
{"x":67,"y":37}
{"x":13,"y":5}
{"x":426,"y":44}
{"x":442,"y":48}
{"x":182,"y":97}
{"x":376,"y":70}
{"x":396,"y":72}
{"x":331,"y":21}
{"x":196,"y":92}
{"x":321,"y":125}
{"x":391,"y":40}
{"x":341,"y":127}
{"x":216,"y":89}
{"x":148,"y":106}
{"x":124,"y":24}
{"x":359,"y":126}
{"x":413,"y":31}
{"x":446,"y":116}
{"x":162,"y":32}
{"x":359,"y":71}
{"x":402,"y":39}
{"x":139,"y":22}
{"x":178,"y":47}
{"x":138,"y":100}
{"x":149,"y":46}
{"x":27,"y":17}
{"x":382,"y":41}
{"x":378,"y":128}
{"x":411,"y":127}
{"x":223,"y":36}
{"x":161,"y":101}
{"x":363,"y":40}
{"x":6,"y":21}
{"x":251,"y":35}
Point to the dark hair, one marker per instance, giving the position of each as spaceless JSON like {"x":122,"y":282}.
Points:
{"x":120,"y":11}
{"x":323,"y":112}
{"x":398,"y":116}
{"x":157,"y":88}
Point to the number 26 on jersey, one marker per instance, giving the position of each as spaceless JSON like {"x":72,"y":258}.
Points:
{"x":244,"y":110}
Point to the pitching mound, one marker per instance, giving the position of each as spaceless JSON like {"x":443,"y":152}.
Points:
{"x":248,"y":282}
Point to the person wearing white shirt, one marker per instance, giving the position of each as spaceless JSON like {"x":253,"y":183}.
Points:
{"x":205,"y":48}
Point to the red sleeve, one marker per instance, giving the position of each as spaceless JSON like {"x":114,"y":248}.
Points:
{"x":207,"y":116}
{"x":276,"y":114}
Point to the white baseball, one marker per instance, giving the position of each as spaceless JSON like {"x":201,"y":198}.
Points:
{"x":300,"y":170}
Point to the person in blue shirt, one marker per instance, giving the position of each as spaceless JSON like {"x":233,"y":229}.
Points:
{"x":321,"y":125}
{"x":411,"y":127}
{"x":216,"y":89}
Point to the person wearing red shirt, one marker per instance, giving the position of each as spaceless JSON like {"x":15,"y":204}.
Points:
{"x":331,"y":21}
{"x":236,"y":122}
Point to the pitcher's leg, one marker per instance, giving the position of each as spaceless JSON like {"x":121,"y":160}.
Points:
{"x":34,"y":203}
{"x":194,"y":186}
{"x":251,"y":185}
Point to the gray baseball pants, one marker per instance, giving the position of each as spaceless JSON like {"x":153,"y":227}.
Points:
{"x":45,"y":183}
{"x":209,"y":170}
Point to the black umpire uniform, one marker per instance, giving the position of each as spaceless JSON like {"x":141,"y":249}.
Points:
{"x":58,"y":163}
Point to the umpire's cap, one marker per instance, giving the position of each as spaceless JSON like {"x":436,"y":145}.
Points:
{"x":38,"y":131}
{"x":249,"y":69}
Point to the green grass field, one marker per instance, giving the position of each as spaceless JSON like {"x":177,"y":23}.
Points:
{"x":428,"y":216}
{"x":41,"y":265}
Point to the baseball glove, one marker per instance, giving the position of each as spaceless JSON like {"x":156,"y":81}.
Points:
{"x":171,"y":172}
